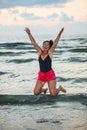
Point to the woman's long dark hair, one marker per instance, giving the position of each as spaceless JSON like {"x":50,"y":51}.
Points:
{"x":51,"y":43}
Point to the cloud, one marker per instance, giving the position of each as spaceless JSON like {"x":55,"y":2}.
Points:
{"x":13,"y":11}
{"x":27,"y":3}
{"x":66,"y":18}
{"x":30,"y":16}
{"x":54,"y":15}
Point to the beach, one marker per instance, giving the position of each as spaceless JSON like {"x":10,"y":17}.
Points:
{"x":44,"y":112}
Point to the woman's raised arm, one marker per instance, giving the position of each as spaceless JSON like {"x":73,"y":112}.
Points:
{"x":56,"y":40}
{"x":36,"y":46}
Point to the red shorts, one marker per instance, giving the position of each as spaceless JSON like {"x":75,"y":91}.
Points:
{"x":46,"y":76}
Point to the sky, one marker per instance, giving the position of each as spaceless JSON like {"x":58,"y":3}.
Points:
{"x":43,"y":17}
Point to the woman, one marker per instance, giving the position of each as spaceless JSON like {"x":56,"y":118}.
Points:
{"x":46,"y":73}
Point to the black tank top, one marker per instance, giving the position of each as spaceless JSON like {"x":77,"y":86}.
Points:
{"x":45,"y":65}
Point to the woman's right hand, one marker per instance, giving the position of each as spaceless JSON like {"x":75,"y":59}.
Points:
{"x":27,"y":30}
{"x":61,"y":31}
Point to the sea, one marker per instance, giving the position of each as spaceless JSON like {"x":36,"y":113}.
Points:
{"x":20,"y":109}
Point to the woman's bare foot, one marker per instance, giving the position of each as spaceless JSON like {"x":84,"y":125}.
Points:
{"x":62,"y":89}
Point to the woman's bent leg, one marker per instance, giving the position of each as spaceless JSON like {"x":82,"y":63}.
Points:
{"x":38,"y":88}
{"x":52,"y":87}
{"x":53,"y":90}
{"x":61,"y":89}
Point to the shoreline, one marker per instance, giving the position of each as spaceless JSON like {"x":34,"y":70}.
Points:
{"x":58,"y":116}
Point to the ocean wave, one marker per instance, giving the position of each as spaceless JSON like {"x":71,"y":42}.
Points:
{"x":11,"y":53}
{"x":19,"y":61}
{"x":16,"y":46}
{"x":41,"y":99}
{"x":75,"y":59}
{"x":2,"y":73}
{"x":80,"y":80}
{"x":10,"y":45}
{"x":83,"y":41}
{"x":78,"y":50}
{"x":75,"y":39}
{"x":65,"y":79}
{"x":74,"y":80}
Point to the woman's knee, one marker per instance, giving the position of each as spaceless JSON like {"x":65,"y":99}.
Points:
{"x":38,"y":87}
{"x":36,"y":92}
{"x":53,"y":93}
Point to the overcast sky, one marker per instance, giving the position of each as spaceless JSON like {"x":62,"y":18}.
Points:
{"x":43,"y":16}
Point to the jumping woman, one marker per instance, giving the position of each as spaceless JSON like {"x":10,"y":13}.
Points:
{"x":46,"y":73}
